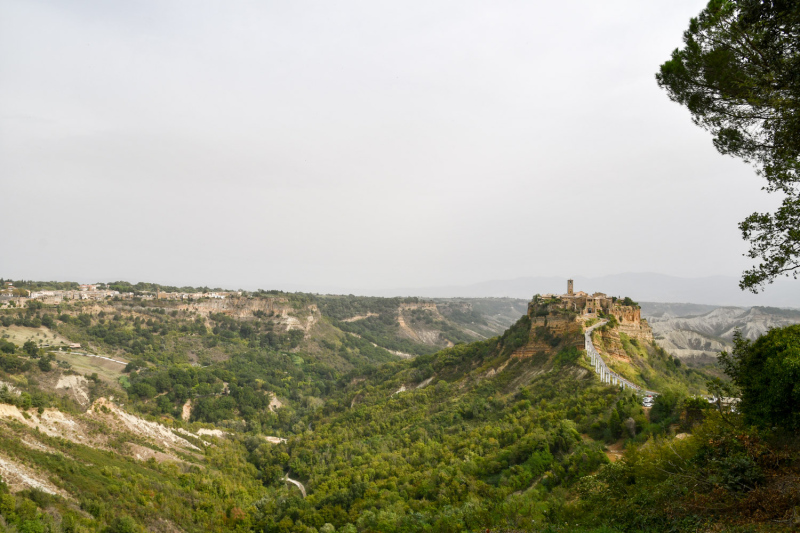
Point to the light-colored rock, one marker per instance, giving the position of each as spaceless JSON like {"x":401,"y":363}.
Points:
{"x":186,"y":410}
{"x":20,"y":477}
{"x":78,"y":387}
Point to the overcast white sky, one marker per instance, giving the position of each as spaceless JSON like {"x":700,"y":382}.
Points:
{"x":355,"y":144}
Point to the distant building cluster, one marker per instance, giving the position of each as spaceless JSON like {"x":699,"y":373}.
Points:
{"x":193,"y":295}
{"x":8,"y":292}
{"x":581,"y":302}
{"x":92,"y":292}
{"x":55,"y":297}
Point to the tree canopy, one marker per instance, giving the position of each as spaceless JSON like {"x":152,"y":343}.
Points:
{"x":739,"y":75}
{"x":767,"y":371}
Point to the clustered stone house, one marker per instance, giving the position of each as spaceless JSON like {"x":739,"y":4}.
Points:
{"x":581,"y":302}
{"x":91,"y":292}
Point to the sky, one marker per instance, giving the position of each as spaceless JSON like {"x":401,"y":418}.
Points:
{"x":356,"y":144}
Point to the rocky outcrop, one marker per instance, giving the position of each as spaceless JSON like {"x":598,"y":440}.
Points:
{"x":631,"y":323}
{"x":240,"y":307}
{"x":544,"y":329}
{"x":609,"y":343}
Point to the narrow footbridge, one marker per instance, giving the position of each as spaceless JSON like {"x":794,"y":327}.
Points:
{"x":606,"y":374}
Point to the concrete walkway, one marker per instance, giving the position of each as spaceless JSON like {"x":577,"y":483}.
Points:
{"x":606,"y":374}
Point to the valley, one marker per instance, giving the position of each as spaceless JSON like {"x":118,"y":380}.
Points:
{"x":276,"y":412}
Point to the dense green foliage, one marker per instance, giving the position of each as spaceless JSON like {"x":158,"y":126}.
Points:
{"x":446,"y":457}
{"x":720,"y":475}
{"x":767,"y":373}
{"x":384,"y":330}
{"x":42,"y":285}
{"x":114,"y":490}
{"x":343,"y":307}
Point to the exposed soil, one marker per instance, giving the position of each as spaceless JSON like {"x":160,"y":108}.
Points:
{"x":78,"y":388}
{"x":186,"y":410}
{"x":116,"y":418}
{"x":359,"y":317}
{"x":100,"y":423}
{"x":615,"y":451}
{"x":19,"y":335}
{"x":212,"y":432}
{"x":143,"y":453}
{"x":274,"y":403}
{"x":405,"y":329}
{"x":20,"y":477}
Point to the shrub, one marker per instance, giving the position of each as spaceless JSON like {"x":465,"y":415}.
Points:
{"x":767,"y":371}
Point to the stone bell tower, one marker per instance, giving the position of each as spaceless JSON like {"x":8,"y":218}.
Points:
{"x":570,"y":290}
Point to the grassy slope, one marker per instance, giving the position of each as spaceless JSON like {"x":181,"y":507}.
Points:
{"x":648,"y":364}
{"x":103,"y":486}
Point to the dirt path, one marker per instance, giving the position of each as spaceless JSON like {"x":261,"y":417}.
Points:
{"x":394,"y":352}
{"x":99,"y":357}
{"x":359,"y":317}
{"x":297,"y":484}
{"x":615,"y":451}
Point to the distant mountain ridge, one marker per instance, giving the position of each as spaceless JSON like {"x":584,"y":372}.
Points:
{"x":650,"y":287}
{"x":701,"y":337}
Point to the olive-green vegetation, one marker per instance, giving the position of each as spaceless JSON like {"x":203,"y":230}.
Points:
{"x":42,"y":285}
{"x":466,"y":438}
{"x":343,"y":307}
{"x":469,"y":450}
{"x":486,"y":316}
{"x":736,"y":471}
{"x":379,"y":324}
{"x":722,"y":477}
{"x":767,"y":374}
{"x":208,"y":493}
{"x":384,"y":330}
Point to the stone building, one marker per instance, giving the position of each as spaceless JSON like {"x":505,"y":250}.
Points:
{"x":589,"y":305}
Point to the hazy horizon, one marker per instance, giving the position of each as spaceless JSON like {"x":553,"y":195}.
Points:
{"x":356,"y":145}
{"x":642,"y":286}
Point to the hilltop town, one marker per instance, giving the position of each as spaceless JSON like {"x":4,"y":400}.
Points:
{"x":18,"y":297}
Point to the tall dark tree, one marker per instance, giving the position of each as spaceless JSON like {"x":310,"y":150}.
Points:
{"x":739,"y":75}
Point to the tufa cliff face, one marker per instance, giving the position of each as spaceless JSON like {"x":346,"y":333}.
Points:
{"x":631,"y":322}
{"x":548,"y":329}
{"x":239,"y":307}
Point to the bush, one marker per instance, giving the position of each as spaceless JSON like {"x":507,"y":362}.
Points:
{"x":122,"y":524}
{"x":30,"y":348}
{"x":44,"y":365}
{"x":767,"y":371}
{"x":7,"y":347}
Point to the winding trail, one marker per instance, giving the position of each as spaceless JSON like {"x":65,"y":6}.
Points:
{"x":606,"y":374}
{"x":98,"y":357}
{"x":297,"y":484}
